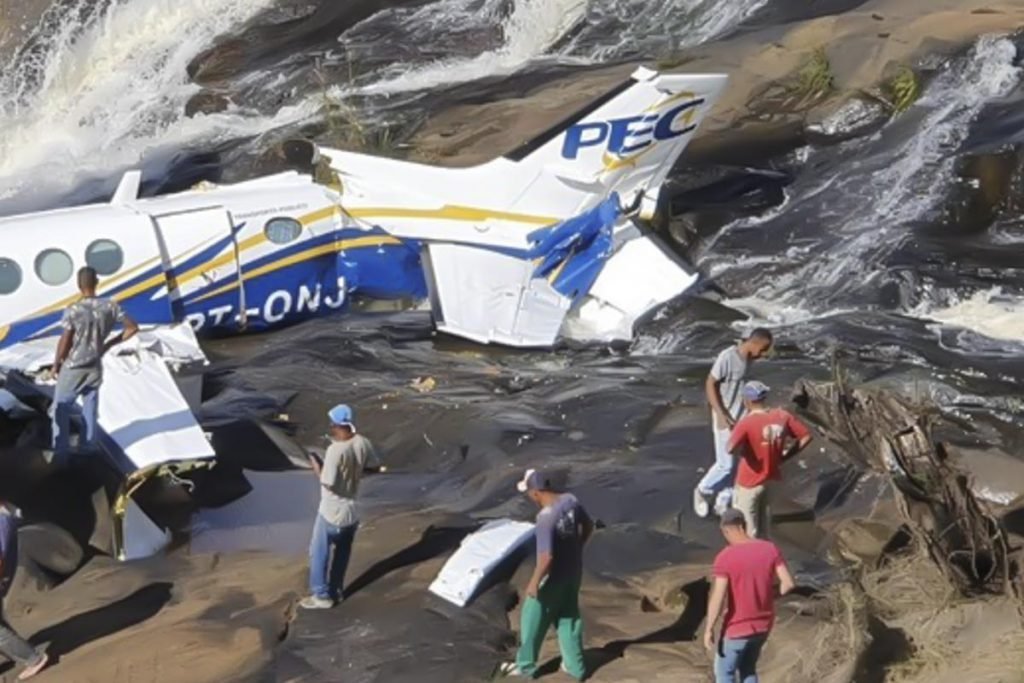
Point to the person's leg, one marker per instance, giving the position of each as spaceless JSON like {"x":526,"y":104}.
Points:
{"x":747,"y":664}
{"x":342,"y":543}
{"x":534,"y":622}
{"x":718,"y":479}
{"x":727,"y":656}
{"x":749,"y":502}
{"x":763,"y":511}
{"x":90,"y":394}
{"x":17,"y":648}
{"x":570,"y":631}
{"x":319,"y":559}
{"x":64,"y":397}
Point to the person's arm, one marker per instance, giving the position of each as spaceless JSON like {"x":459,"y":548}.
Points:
{"x":329,"y":470}
{"x":372,"y":463}
{"x":314,"y":463}
{"x":800,"y":433}
{"x":587,"y":527}
{"x":786,"y":582}
{"x":738,"y":440}
{"x":130,"y":329}
{"x":63,"y":348}
{"x":715,"y":605}
{"x":545,"y":535}
{"x":712,"y":388}
{"x":713,"y":391}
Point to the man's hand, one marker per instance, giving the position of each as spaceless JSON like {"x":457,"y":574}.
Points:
{"x":709,"y":639}
{"x":314,"y":463}
{"x":726,"y":419}
{"x":531,"y":590}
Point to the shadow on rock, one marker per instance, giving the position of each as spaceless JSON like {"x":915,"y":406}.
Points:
{"x":434,"y":542}
{"x":72,"y":633}
{"x":683,"y":629}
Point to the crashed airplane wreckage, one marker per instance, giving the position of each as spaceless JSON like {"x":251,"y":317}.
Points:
{"x":545,"y":242}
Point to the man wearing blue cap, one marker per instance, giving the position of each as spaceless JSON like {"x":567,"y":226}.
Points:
{"x":348,"y":456}
{"x":763,"y":439}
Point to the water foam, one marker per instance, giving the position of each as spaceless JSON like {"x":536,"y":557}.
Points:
{"x":528,"y":32}
{"x":573,"y":31}
{"x":868,"y":207}
{"x":645,"y":27}
{"x":98,"y":96}
{"x":990,"y":312}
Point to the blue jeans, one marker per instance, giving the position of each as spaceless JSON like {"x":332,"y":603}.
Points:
{"x":718,"y":479}
{"x":736,"y":659}
{"x":72,"y":383}
{"x":327,"y":569}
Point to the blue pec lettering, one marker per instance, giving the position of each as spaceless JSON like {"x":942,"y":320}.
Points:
{"x":629,"y":134}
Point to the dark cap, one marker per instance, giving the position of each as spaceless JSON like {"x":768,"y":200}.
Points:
{"x":733,"y":517}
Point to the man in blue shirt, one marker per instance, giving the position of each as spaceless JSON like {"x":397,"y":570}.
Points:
{"x":12,"y":645}
{"x":552,"y":595}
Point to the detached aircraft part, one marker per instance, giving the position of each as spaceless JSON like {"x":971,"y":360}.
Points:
{"x":146,"y":426}
{"x":480,"y":554}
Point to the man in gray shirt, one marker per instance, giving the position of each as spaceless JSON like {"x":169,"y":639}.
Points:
{"x":79,"y":363}
{"x":552,"y":595}
{"x":337,"y":519}
{"x":722,"y":388}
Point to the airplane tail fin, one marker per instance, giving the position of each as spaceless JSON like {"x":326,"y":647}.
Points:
{"x":626,"y":141}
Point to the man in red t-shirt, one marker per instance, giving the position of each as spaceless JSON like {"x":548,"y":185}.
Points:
{"x":745,"y":572}
{"x":762,"y":440}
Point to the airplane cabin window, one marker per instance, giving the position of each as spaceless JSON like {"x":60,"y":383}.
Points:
{"x":105,"y":256}
{"x":54,"y":267}
{"x":282,"y":230}
{"x":10,"y":276}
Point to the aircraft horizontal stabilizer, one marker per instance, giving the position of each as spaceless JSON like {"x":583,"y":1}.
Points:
{"x":519,"y":298}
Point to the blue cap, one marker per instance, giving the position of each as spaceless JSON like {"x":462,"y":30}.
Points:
{"x":341,"y":414}
{"x":755,"y":391}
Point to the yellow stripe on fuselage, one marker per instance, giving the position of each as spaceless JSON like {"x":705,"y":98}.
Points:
{"x":358,"y":242}
{"x":451,"y":213}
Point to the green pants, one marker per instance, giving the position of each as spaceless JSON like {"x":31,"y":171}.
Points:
{"x":556,"y":604}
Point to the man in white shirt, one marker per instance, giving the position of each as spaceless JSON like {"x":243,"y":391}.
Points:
{"x":348,"y":456}
{"x":727,"y":376}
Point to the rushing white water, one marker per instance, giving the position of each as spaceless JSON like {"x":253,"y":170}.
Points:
{"x":618,"y":28}
{"x":577,"y":31}
{"x":866,"y":210}
{"x":100,"y":96}
{"x":991,"y":312}
{"x":528,"y":32}
{"x":106,"y":85}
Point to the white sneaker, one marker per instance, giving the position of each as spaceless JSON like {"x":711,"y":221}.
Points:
{"x":701,"y":503}
{"x":722,"y":503}
{"x":316,"y":602}
{"x":31,"y":670}
{"x":511,"y":670}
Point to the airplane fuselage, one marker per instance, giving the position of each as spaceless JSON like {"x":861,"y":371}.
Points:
{"x":236,"y":258}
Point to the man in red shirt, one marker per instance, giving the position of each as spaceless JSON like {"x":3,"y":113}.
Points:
{"x":745,"y":572}
{"x":762,"y":440}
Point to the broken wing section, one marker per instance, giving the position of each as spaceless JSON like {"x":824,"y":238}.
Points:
{"x":519,"y":297}
{"x":641,"y":275}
